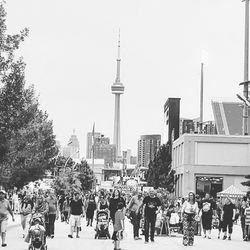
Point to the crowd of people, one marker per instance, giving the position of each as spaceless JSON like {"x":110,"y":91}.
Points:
{"x":150,"y":213}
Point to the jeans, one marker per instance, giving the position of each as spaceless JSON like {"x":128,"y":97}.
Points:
{"x":149,"y":221}
{"x":51,"y":224}
{"x":135,"y":219}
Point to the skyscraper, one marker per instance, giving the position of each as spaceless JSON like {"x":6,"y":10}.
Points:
{"x":172,"y":118}
{"x":102,"y":148}
{"x":73,"y":147}
{"x":117,"y":89}
{"x":147,"y":147}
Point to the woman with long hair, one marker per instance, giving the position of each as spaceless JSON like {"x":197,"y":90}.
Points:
{"x":113,"y":203}
{"x":91,"y":207}
{"x":189,"y":213}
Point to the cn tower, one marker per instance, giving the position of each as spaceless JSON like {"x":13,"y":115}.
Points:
{"x":117,"y":89}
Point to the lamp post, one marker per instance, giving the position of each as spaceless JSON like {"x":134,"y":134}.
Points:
{"x":246,"y":82}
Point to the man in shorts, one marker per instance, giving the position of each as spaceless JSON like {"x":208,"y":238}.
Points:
{"x":76,"y":211}
{"x":4,"y":210}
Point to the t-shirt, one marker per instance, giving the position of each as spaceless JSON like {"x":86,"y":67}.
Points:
{"x":119,"y":217}
{"x":152,"y":205}
{"x":207,"y":206}
{"x":52,"y":205}
{"x":113,"y":205}
{"x":228,"y":211}
{"x":4,"y":205}
{"x":76,"y":207}
{"x":247,"y":216}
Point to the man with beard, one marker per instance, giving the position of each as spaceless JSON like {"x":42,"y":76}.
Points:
{"x":134,"y":209}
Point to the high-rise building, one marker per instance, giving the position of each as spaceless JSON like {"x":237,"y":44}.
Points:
{"x":90,"y":143}
{"x":102,"y":148}
{"x":172,"y":118}
{"x":147,"y":147}
{"x":117,"y":89}
{"x":73,"y":147}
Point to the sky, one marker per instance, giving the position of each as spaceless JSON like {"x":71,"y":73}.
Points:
{"x":71,"y":56}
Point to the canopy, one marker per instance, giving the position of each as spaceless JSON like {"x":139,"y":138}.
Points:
{"x":231,"y":191}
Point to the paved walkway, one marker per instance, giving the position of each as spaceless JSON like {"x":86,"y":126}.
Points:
{"x":87,"y":241}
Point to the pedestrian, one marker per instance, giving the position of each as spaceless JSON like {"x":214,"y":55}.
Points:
{"x":53,"y":213}
{"x":5,"y":208}
{"x":189,"y":215}
{"x":151,"y":207}
{"x":66,"y":209}
{"x":118,"y":226}
{"x":219,"y":208}
{"x":15,"y":201}
{"x":60,"y":203}
{"x":103,"y":204}
{"x":228,"y":217}
{"x":113,"y":203}
{"x":243,"y":206}
{"x":134,"y":209}
{"x":25,"y":213}
{"x":90,"y":209}
{"x":207,"y":207}
{"x":76,"y":211}
{"x":247,"y":222}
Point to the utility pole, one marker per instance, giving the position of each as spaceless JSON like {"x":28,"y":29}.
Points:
{"x":201,"y":99}
{"x":246,"y":82}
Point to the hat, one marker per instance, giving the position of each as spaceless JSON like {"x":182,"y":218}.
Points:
{"x":2,"y":191}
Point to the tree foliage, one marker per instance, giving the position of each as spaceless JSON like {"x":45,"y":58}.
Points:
{"x":247,"y":182}
{"x":27,"y":142}
{"x":73,"y":177}
{"x":160,"y":174}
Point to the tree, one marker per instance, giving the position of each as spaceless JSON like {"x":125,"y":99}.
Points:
{"x":27,"y":142}
{"x":78,"y":177}
{"x":160,"y":173}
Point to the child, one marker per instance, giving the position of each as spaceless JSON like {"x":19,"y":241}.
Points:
{"x":36,"y":226}
{"x":174,"y":218}
{"x":118,"y":226}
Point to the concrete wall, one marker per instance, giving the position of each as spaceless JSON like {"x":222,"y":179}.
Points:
{"x":210,"y":155}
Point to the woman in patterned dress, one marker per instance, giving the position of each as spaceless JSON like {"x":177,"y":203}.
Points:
{"x":188,"y":213}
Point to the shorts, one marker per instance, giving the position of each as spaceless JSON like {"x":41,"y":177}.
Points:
{"x":75,"y":220}
{"x":3,"y":226}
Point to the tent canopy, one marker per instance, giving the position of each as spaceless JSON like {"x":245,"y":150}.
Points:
{"x":231,"y":191}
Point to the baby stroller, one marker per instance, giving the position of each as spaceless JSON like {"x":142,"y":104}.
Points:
{"x":37,"y":233}
{"x":102,"y":225}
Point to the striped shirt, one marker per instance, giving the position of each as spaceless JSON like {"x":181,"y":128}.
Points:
{"x":247,"y":218}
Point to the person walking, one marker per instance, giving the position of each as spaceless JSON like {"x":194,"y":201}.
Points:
{"x":151,"y":207}
{"x":66,"y":209}
{"x":5,"y":209}
{"x":219,"y":208}
{"x":228,"y":217}
{"x":53,"y":213}
{"x":134,"y":209}
{"x":118,"y":226}
{"x":76,"y":211}
{"x":25,"y":213}
{"x":243,"y":206}
{"x":207,"y":207}
{"x":113,"y":203}
{"x":247,"y":222}
{"x":90,"y":209}
{"x":189,"y":213}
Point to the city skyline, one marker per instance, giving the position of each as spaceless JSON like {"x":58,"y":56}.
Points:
{"x":71,"y":60}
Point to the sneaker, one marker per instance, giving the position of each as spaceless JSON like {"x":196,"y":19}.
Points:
{"x":204,"y":236}
{"x":135,"y":238}
{"x":146,"y":241}
{"x":229,"y":238}
{"x":4,"y":245}
{"x":218,"y":236}
{"x":70,"y":236}
{"x":52,"y":236}
{"x":224,"y":237}
{"x":77,"y":236}
{"x":152,"y":240}
{"x":209,"y":237}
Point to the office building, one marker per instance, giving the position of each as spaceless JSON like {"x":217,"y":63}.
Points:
{"x":147,"y":147}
